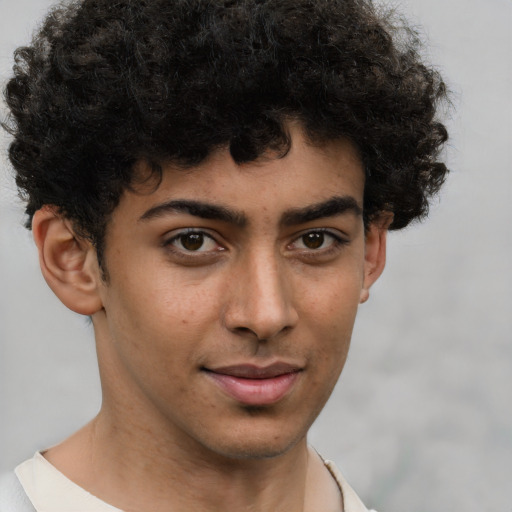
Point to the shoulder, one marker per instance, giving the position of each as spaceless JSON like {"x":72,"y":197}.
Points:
{"x":351,"y":501}
{"x":12,"y":495}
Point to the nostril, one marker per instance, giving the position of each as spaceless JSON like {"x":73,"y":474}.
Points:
{"x":246,"y":330}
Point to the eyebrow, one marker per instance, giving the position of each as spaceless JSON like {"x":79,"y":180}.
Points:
{"x":197,"y":209}
{"x":334,"y":206}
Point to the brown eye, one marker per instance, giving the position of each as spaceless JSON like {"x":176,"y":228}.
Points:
{"x":192,"y":241}
{"x":313,"y":240}
{"x":318,"y":245}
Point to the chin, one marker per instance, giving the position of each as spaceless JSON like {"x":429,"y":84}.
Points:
{"x":255,"y":443}
{"x":254,"y":451}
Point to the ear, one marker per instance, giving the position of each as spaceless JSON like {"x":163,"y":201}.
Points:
{"x":375,"y":253}
{"x":68,"y":263}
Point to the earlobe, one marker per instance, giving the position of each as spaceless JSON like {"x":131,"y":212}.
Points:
{"x":68,"y":264}
{"x":375,"y":253}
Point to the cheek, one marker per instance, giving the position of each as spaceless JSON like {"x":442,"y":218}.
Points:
{"x":332,"y":303}
{"x":165,"y":314}
{"x":329,"y":314}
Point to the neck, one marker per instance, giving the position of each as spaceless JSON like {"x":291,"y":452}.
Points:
{"x":154,"y":475}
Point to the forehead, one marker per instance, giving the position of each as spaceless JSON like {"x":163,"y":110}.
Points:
{"x":307,"y":174}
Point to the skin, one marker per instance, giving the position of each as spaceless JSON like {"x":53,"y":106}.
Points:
{"x":279,"y":279}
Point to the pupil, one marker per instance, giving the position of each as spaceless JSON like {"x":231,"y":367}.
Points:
{"x":192,"y":241}
{"x":313,"y":240}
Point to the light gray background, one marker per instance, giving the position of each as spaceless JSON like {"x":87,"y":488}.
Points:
{"x":421,"y":419}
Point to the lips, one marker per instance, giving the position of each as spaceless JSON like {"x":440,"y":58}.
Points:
{"x":255,"y":385}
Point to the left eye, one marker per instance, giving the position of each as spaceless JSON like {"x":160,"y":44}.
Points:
{"x":315,"y":240}
{"x":193,"y":241}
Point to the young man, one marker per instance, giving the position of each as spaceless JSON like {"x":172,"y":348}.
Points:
{"x":212,"y":183}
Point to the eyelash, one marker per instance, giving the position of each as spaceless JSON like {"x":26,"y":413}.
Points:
{"x":337,"y":243}
{"x":305,"y":253}
{"x":189,"y":254}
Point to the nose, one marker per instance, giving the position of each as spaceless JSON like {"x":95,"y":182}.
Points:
{"x":260,"y":301}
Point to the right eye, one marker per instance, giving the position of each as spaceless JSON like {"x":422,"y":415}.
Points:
{"x":193,"y":241}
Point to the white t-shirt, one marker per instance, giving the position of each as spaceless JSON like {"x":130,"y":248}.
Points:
{"x":51,"y":491}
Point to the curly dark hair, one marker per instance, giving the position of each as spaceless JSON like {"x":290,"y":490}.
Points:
{"x":106,"y":84}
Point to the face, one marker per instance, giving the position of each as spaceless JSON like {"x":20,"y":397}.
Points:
{"x":231,"y":297}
